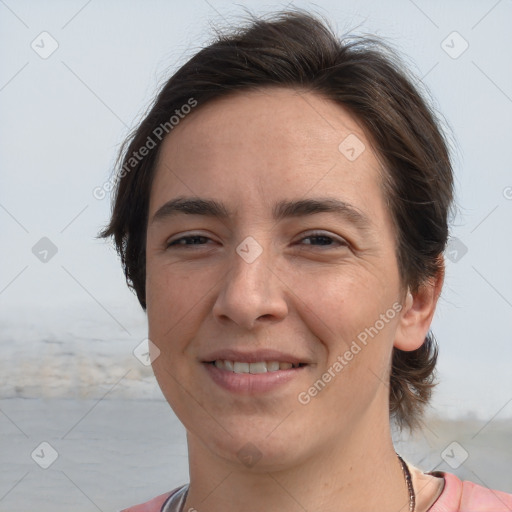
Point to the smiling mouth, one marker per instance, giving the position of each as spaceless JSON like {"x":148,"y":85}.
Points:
{"x":254,"y":368}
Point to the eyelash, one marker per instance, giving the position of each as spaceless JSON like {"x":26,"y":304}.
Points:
{"x":317,"y":235}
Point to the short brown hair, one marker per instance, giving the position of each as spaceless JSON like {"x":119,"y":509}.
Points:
{"x":364,"y":75}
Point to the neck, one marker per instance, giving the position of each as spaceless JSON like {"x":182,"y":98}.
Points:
{"x":360,"y":472}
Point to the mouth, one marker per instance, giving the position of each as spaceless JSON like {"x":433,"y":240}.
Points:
{"x":253,"y":378}
{"x":254,"y":368}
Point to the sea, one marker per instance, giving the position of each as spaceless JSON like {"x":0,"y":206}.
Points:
{"x":84,"y":426}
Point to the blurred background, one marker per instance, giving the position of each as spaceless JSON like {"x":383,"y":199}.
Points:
{"x":83,"y":424}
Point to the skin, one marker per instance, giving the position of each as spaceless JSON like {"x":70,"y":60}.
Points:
{"x":307,"y":296}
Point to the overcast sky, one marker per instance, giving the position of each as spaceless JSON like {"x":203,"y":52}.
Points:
{"x":75,"y":77}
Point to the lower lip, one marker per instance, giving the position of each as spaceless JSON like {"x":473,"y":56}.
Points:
{"x":250,"y":383}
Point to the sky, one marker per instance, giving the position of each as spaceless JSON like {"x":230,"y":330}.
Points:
{"x":76,"y":76}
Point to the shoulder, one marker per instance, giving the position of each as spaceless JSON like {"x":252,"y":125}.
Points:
{"x":154,"y":505}
{"x":466,"y":496}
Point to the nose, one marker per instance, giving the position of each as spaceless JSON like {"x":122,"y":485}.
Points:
{"x":251,"y":293}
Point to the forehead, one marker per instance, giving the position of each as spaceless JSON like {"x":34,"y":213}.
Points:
{"x":291,"y":117}
{"x":267,"y":139}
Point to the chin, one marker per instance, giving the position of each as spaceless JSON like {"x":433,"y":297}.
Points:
{"x":255,"y":452}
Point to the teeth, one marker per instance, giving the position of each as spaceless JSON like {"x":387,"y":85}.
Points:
{"x":241,"y":367}
{"x":272,"y":366}
{"x":259,"y":367}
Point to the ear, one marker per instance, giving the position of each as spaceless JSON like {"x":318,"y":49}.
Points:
{"x":418,"y":311}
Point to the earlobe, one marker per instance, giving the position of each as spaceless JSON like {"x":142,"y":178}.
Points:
{"x":417,"y":313}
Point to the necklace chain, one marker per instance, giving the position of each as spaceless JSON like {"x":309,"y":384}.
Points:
{"x":408,"y":480}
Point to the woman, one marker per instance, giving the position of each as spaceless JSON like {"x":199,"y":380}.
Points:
{"x":281,"y":214}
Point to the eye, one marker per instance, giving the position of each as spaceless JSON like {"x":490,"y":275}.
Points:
{"x":191,"y":240}
{"x":323,"y":240}
{"x":319,"y":239}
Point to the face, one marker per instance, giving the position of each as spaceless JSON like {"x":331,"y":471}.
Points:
{"x":273,"y":292}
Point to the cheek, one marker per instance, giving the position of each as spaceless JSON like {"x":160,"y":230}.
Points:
{"x":340,"y":303}
{"x":175,"y":305}
{"x":174,"y":299}
{"x":352,"y":315}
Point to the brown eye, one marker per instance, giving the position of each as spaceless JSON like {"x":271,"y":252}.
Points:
{"x":323,"y":240}
{"x":193,"y":240}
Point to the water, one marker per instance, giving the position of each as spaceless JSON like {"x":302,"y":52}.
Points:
{"x":73,"y":382}
{"x":113,"y":453}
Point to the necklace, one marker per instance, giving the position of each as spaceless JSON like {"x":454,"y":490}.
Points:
{"x":410,"y":488}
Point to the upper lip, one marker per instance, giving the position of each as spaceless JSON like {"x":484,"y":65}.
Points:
{"x":253,"y":356}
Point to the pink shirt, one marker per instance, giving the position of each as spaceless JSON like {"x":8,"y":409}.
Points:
{"x":457,"y":496}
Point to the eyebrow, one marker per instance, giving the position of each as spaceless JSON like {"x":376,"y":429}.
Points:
{"x":281,"y":210}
